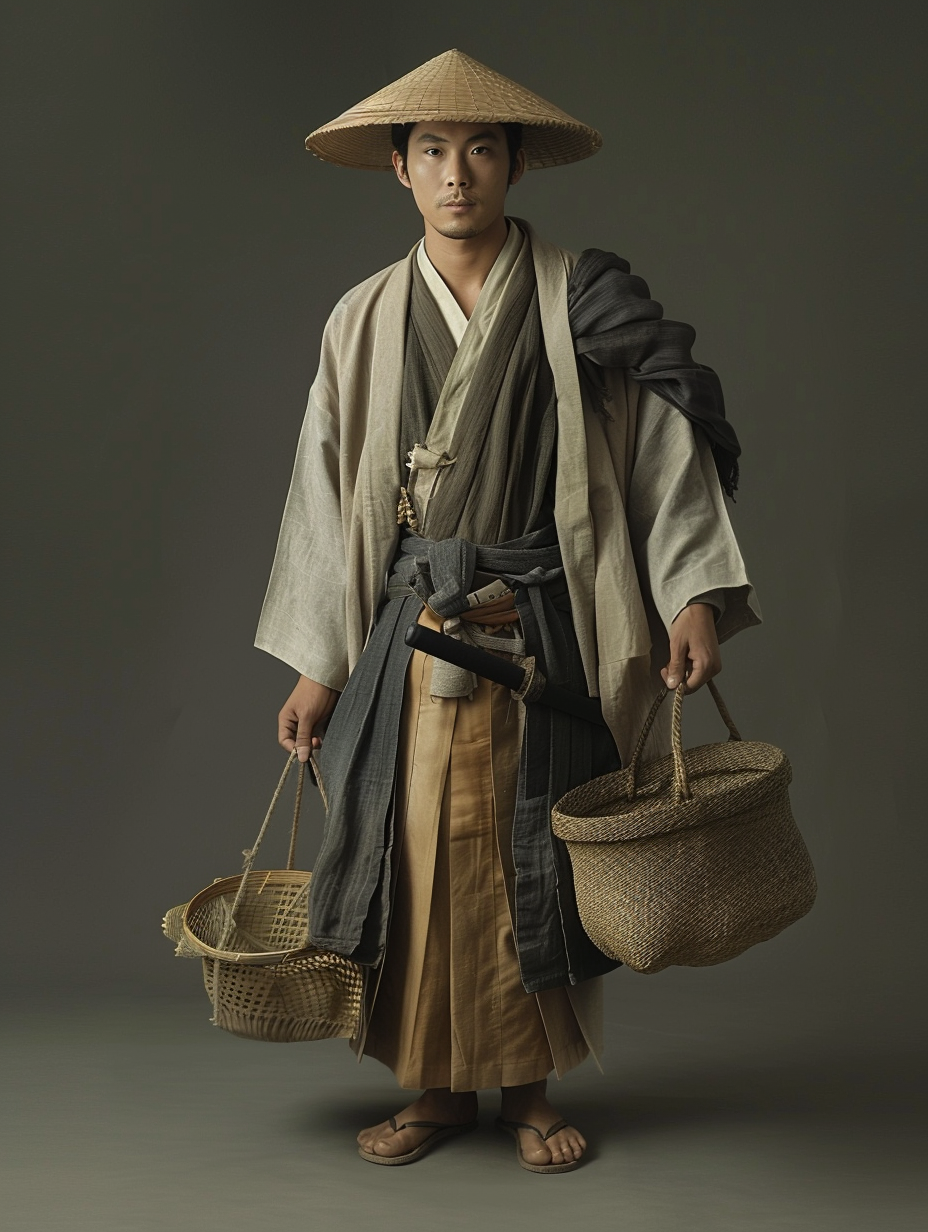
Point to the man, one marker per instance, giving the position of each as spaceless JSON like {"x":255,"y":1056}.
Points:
{"x":507,"y":444}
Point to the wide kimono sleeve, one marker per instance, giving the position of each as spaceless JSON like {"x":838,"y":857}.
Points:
{"x":681,"y":535}
{"x":303,"y":617}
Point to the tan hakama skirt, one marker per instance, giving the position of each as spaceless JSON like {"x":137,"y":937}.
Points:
{"x":447,"y":1007}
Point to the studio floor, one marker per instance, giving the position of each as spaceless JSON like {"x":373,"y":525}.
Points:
{"x":128,"y":1114}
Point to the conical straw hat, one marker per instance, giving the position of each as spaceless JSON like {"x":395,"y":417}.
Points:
{"x":452,"y":88}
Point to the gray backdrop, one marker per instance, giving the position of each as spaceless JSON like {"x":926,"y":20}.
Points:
{"x":172,"y":254}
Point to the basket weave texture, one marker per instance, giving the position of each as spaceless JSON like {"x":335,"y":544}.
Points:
{"x":452,"y":88}
{"x":691,"y":859}
{"x":263,"y":977}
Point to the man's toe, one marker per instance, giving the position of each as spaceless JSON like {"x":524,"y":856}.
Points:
{"x":385,"y":1146}
{"x":370,"y":1138}
{"x":566,"y":1147}
{"x":533,"y":1149}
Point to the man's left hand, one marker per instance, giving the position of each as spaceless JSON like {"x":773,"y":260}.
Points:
{"x":694,"y":648}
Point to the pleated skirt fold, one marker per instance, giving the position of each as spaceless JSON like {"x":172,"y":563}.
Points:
{"x":447,"y":1007}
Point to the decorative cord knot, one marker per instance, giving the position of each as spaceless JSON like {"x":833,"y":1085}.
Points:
{"x":421,"y":458}
{"x":406,"y":511}
{"x":449,"y":680}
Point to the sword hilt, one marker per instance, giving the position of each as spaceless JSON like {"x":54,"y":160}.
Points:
{"x":524,"y":682}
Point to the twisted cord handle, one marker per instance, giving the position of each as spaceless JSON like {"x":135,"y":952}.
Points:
{"x":642,"y":739}
{"x":682,"y":790}
{"x":681,"y":783}
{"x":301,"y":778}
{"x":723,"y":711}
{"x":252,"y":852}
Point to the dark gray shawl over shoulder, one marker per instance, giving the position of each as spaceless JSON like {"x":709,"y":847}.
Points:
{"x":616,"y":324}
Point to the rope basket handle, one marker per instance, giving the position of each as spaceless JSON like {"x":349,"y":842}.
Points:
{"x":682,"y":790}
{"x":251,"y":852}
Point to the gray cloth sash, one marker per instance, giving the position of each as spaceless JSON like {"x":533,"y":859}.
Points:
{"x":351,"y":886}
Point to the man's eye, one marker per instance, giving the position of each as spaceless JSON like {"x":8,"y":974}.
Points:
{"x":479,"y":149}
{"x":433,"y":150}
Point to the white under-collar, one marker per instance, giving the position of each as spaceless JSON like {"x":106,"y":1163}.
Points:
{"x":451,"y":310}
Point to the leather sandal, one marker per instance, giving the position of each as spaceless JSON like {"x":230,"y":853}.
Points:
{"x":513,"y":1127}
{"x":442,"y":1130}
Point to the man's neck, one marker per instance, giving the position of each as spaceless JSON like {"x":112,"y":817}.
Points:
{"x":464,"y":264}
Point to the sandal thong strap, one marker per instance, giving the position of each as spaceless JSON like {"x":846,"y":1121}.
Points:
{"x":534,"y":1128}
{"x":425,"y":1124}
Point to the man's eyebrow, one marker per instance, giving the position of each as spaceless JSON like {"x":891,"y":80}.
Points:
{"x":489,"y":135}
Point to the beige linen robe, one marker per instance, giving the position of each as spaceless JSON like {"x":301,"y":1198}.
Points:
{"x":640,"y":513}
{"x":632,"y":562}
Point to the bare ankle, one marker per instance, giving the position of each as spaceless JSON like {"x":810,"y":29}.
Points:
{"x":445,"y":1098}
{"x":524,"y":1096}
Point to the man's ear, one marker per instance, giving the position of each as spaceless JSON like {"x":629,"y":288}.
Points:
{"x":518,"y":169}
{"x":400,"y":168}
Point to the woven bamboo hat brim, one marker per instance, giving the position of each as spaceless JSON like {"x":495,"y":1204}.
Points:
{"x":452,"y":88}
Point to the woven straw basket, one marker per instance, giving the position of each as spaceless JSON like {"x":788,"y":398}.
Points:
{"x":691,"y":859}
{"x":263,"y":977}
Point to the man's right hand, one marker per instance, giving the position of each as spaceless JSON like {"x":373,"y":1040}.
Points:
{"x":301,"y":723}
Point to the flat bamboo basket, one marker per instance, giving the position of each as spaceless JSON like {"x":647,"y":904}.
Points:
{"x":264,"y":978}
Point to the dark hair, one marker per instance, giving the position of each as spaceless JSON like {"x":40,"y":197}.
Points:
{"x":399,"y":134}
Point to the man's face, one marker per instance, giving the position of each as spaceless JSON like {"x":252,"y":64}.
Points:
{"x":458,"y":174}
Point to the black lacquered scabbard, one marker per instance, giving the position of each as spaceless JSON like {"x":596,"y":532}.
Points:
{"x":503,"y":672}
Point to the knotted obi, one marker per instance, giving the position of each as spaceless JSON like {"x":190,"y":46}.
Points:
{"x":475,"y":591}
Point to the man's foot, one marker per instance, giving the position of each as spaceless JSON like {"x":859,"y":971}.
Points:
{"x":438,"y":1104}
{"x":529,"y":1104}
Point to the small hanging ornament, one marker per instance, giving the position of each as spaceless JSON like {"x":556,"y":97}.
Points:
{"x":405,"y":511}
